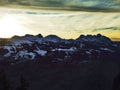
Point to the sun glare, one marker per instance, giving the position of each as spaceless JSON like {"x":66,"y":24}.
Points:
{"x":10,"y":26}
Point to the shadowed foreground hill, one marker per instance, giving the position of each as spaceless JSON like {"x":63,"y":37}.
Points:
{"x":95,"y":75}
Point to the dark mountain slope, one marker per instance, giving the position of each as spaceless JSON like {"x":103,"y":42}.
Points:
{"x":95,"y":75}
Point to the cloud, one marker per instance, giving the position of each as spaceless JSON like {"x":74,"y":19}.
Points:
{"x":107,"y":28}
{"x":84,"y":5}
{"x":94,"y":4}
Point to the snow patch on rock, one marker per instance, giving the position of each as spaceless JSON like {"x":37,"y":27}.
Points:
{"x":25,"y":55}
{"x":40,"y":52}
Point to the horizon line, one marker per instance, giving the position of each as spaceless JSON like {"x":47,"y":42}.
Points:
{"x":111,"y":38}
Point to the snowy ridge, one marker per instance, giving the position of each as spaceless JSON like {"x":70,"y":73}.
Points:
{"x":29,"y":39}
{"x":95,"y":38}
{"x":31,"y":47}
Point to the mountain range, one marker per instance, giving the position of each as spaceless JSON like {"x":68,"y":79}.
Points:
{"x":56,"y":49}
{"x":34,"y":62}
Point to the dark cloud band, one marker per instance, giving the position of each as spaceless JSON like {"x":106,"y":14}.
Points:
{"x":80,"y":5}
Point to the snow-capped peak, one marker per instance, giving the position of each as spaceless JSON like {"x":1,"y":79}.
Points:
{"x":27,"y":39}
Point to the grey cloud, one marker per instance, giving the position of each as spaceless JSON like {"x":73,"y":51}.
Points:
{"x":94,"y":4}
{"x":107,"y":28}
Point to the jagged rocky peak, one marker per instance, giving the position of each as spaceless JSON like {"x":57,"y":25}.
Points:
{"x":28,"y":39}
{"x":90,"y":36}
{"x":95,"y":38}
{"x":99,"y":35}
{"x":27,"y":36}
{"x":39,"y":35}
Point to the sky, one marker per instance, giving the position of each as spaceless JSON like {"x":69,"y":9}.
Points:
{"x":74,"y":18}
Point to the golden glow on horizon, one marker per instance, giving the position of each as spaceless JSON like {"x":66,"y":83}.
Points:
{"x":9,"y":26}
{"x":111,"y":34}
{"x":68,"y":25}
